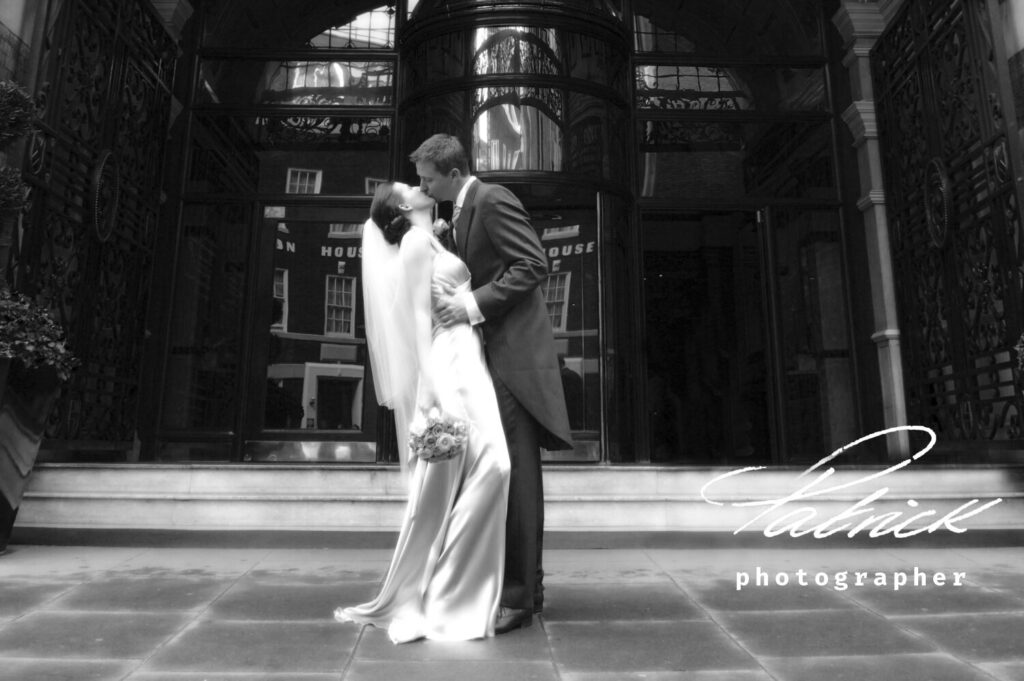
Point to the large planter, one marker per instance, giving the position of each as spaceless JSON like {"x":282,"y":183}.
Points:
{"x":26,"y":398}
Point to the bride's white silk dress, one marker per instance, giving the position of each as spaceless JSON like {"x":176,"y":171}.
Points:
{"x":445,"y":577}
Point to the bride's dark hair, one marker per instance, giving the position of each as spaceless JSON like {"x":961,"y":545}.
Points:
{"x":384,"y":211}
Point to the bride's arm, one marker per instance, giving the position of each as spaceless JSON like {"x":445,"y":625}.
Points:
{"x":417,"y":260}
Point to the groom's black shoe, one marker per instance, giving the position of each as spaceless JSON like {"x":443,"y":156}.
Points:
{"x":512,"y":618}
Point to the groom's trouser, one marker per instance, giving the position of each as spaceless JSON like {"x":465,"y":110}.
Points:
{"x":524,"y":526}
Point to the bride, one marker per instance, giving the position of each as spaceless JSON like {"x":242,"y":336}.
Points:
{"x":445,"y":577}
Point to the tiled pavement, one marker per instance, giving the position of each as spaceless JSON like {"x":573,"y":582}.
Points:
{"x":155,"y":614}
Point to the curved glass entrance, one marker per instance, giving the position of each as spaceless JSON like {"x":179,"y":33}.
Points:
{"x":628,"y":137}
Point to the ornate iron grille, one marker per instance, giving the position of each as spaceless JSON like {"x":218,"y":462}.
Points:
{"x":95,"y":176}
{"x":954,"y":220}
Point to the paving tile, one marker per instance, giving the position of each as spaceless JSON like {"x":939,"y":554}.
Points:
{"x":322,"y":566}
{"x":231,"y":676}
{"x":70,"y":563}
{"x":18,"y":596}
{"x":600,"y":565}
{"x":1004,"y":671}
{"x":196,"y":561}
{"x":716,"y":562}
{"x":997,"y":557}
{"x":722,"y":595}
{"x":985,"y":637}
{"x":618,"y":601}
{"x":948,"y":559}
{"x":644,"y":646}
{"x":256,"y":647}
{"x":88,"y":635}
{"x":258,"y":601}
{"x":876,"y":667}
{"x":286,"y":558}
{"x":526,"y":645}
{"x":313,"y":576}
{"x":937,"y":600}
{"x":818,"y":632}
{"x":446,"y":670}
{"x":725,"y":563}
{"x":1011,"y":581}
{"x":66,"y":670}
{"x":141,"y":593}
{"x":707,"y":675}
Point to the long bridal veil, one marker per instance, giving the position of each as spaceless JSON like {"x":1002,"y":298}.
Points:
{"x":389,"y":332}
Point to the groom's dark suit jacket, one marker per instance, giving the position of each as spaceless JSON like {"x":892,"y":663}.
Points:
{"x":507,"y":265}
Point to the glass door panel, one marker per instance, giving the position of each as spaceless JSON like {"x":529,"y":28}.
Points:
{"x":707,"y":339}
{"x":318,"y":400}
{"x":568,"y":232}
{"x":816,"y":385}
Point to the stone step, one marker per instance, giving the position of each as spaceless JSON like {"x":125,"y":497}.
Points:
{"x":594,"y":499}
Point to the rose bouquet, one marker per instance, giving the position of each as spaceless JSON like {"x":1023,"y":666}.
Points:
{"x":434,"y":436}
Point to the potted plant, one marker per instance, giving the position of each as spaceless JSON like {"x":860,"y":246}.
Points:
{"x":34,"y":356}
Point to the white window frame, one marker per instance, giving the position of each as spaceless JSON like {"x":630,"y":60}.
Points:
{"x":293,"y":179}
{"x":350,"y":331}
{"x":564,"y":232}
{"x":563,"y":301}
{"x":344,"y":230}
{"x":283,"y":324}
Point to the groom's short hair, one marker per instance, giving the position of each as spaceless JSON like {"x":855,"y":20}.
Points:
{"x":444,"y":151}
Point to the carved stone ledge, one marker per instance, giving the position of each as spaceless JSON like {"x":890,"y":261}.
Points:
{"x":860,"y":118}
{"x":175,"y":14}
{"x":859,"y":21}
{"x":875,"y":197}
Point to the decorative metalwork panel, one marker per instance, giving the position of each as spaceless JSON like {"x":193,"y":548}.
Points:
{"x":321,"y":132}
{"x":95,"y":174}
{"x":955,"y":223}
{"x":523,"y":50}
{"x":688,"y":88}
{"x":548,"y":100}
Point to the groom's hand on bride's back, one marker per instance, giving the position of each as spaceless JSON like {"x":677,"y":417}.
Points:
{"x":448,"y":309}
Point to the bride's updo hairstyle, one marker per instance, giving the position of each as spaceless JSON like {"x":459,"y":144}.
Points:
{"x":384,"y":211}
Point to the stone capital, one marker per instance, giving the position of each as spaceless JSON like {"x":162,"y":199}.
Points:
{"x":174,"y":13}
{"x":862,"y":121}
{"x":859,"y":21}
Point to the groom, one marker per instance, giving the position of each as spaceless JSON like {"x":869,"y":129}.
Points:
{"x":493,"y":236}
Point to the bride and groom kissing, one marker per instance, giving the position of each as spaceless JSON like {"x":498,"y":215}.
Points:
{"x":462,"y":327}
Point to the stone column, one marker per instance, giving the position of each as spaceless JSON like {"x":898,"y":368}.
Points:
{"x":860,"y":24}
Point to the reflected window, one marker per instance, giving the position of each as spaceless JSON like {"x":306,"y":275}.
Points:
{"x":340,"y":306}
{"x":556,"y":295}
{"x":350,"y":83}
{"x":280,"y":319}
{"x":513,"y":135}
{"x":701,"y":88}
{"x":516,"y":49}
{"x":344,"y":230}
{"x":517,"y":128}
{"x":303,"y":181}
{"x":567,"y":232}
{"x":370,"y":30}
{"x":315,"y":367}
